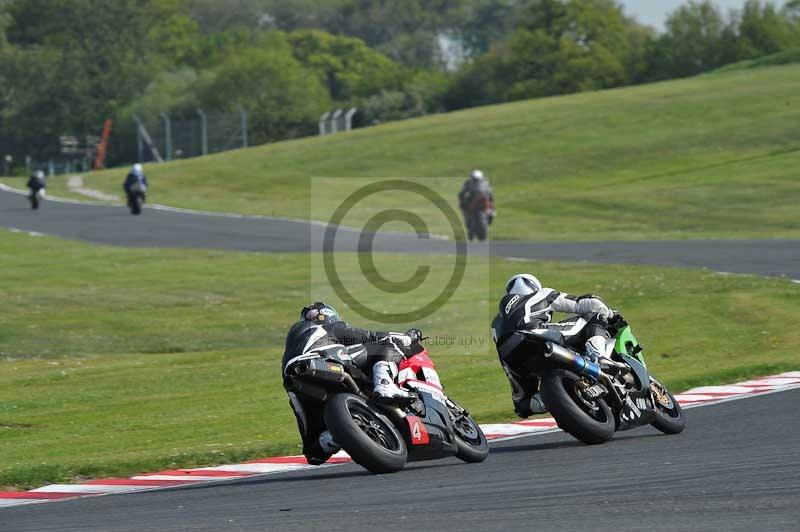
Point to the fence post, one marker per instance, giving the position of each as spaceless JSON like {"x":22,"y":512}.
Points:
{"x":27,"y":165}
{"x":168,"y":136}
{"x":203,"y":132}
{"x":145,"y":137}
{"x":323,"y":123}
{"x":243,"y":115}
{"x":348,"y":119}
{"x":335,"y":120}
{"x":51,"y":168}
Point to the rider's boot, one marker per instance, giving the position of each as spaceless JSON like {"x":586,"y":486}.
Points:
{"x":383,"y":381}
{"x":327,"y":443}
{"x":596,"y":351}
{"x":537,"y":405}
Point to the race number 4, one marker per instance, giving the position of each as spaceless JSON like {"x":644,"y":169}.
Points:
{"x":419,"y":434}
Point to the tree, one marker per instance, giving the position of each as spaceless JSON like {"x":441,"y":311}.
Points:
{"x":764,"y":30}
{"x":406,"y":31}
{"x":345,"y":65}
{"x":696,"y":40}
{"x":559,"y":47}
{"x":87,"y":58}
{"x":284,"y":100}
{"x":214,"y":16}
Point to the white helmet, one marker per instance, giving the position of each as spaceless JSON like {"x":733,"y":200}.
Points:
{"x":523,"y":284}
{"x":477,"y":174}
{"x":38,"y":174}
{"x":137,"y":169}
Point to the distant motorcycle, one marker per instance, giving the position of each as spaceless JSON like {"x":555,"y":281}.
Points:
{"x":592,"y":399}
{"x":137,"y":195}
{"x":36,"y":197}
{"x":382,"y":437}
{"x":36,"y":189}
{"x":479,"y":215}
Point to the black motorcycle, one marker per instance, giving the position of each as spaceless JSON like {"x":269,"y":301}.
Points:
{"x":137,"y":195}
{"x":381,"y":436}
{"x":36,"y":196}
{"x":592,"y":399}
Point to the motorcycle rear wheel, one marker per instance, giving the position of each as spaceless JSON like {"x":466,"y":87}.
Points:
{"x":481,"y":226}
{"x":669,"y":414}
{"x":371,"y":440}
{"x":591,"y":422}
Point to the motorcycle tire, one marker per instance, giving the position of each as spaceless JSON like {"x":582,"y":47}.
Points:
{"x":369,"y":437}
{"x":136,"y":205}
{"x":473,"y":447}
{"x":669,"y":414}
{"x":481,"y":226}
{"x":34,"y":202}
{"x":590,"y":423}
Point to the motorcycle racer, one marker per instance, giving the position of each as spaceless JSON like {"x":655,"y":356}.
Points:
{"x":527,"y":305}
{"x":476,"y":196}
{"x":320,"y":326}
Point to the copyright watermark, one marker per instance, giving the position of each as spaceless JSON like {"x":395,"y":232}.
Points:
{"x":391,"y":251}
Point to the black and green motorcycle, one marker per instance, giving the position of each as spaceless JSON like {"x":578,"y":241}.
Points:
{"x":591,"y":400}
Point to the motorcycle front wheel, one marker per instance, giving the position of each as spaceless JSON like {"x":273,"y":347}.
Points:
{"x":669,"y":414}
{"x":589,"y":420}
{"x":470,"y":439}
{"x":371,"y":440}
{"x":136,"y":205}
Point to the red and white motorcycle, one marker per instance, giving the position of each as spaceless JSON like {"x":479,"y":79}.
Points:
{"x":383,"y":437}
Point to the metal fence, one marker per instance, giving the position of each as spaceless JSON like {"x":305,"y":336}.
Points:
{"x":164,"y":138}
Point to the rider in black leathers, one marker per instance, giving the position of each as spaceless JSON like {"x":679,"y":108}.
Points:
{"x":36,"y":184}
{"x":320,"y":326}
{"x":135,"y":177}
{"x":528,"y":306}
{"x":477,"y":185}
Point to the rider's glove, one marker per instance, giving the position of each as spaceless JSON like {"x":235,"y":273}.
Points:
{"x":402,"y":339}
{"x":414,"y":334}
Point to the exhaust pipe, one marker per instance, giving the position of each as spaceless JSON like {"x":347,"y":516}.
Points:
{"x":572,"y":361}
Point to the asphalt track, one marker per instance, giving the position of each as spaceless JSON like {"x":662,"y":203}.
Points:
{"x":734,"y":469}
{"x":162,"y":228}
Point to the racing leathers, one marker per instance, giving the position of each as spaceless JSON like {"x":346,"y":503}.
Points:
{"x":36,"y":183}
{"x":379,"y":356}
{"x":585,"y":331}
{"x":472,"y":192}
{"x":134,"y":180}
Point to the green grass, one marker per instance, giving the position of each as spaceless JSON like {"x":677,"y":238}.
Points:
{"x":117,"y":361}
{"x":709,"y":157}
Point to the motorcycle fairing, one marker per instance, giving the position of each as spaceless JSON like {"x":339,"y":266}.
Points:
{"x":638,"y":408}
{"x":438,"y":426}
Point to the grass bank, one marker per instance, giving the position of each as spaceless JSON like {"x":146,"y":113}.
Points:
{"x":117,"y":361}
{"x":708,"y":157}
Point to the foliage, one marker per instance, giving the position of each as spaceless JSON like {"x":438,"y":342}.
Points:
{"x":405,"y":30}
{"x":345,"y":65}
{"x":699,"y":38}
{"x":283,"y":98}
{"x":559,"y":47}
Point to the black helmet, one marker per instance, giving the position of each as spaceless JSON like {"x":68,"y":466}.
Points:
{"x":319,"y":313}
